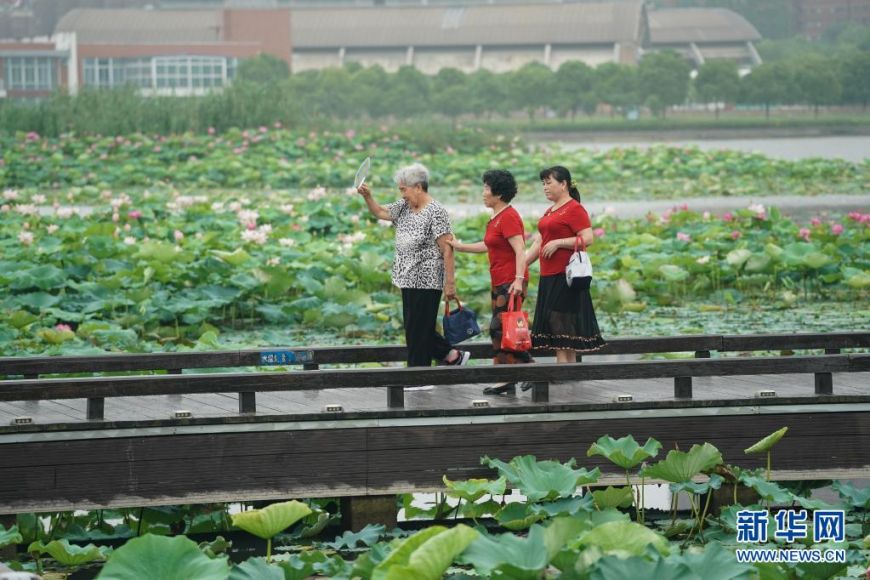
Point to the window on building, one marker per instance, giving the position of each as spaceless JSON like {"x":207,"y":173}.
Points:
{"x":30,"y":73}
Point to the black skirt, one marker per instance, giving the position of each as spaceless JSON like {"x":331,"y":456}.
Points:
{"x":564,"y":317}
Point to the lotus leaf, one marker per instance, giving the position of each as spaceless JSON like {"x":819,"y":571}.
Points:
{"x":767,"y":489}
{"x":543,"y":480}
{"x":613,"y":497}
{"x":616,"y":568}
{"x":673,"y":273}
{"x":472,"y":490}
{"x":162,"y":558}
{"x":10,"y":536}
{"x":524,"y":557}
{"x":768,"y":442}
{"x":256,"y":569}
{"x":624,"y":539}
{"x":272,"y":519}
{"x":426,"y":554}
{"x":714,"y":563}
{"x":69,"y":554}
{"x":858,"y":498}
{"x":715,"y":482}
{"x":518,"y":516}
{"x":624,"y":452}
{"x":681,"y":466}
{"x":367,"y":536}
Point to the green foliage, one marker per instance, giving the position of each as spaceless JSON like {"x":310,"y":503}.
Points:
{"x":263,"y":68}
{"x":682,"y":466}
{"x":426,"y":554}
{"x":271,"y":520}
{"x":162,"y":558}
{"x":624,"y":452}
{"x":543,"y":480}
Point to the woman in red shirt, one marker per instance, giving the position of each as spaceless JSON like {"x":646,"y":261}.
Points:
{"x":564,"y":317}
{"x":504,"y":242}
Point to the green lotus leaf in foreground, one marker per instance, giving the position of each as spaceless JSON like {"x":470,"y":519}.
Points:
{"x":426,"y":554}
{"x":10,"y":536}
{"x":765,"y":444}
{"x":69,"y":554}
{"x":472,"y":490}
{"x":624,"y":452}
{"x":859,"y":498}
{"x":624,"y":539}
{"x":543,"y":480}
{"x":523,"y":557}
{"x":256,"y":569}
{"x":267,"y":522}
{"x":682,"y":466}
{"x":162,"y":558}
{"x":616,"y":568}
{"x":613,"y":497}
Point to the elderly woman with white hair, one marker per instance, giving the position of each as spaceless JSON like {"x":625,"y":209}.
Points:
{"x":423,"y":266}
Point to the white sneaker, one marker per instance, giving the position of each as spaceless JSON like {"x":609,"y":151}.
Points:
{"x":462,"y":359}
{"x":420,"y":388}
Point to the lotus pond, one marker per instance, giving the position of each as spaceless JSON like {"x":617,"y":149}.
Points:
{"x":162,"y":270}
{"x":562,"y":527}
{"x":275,"y":158}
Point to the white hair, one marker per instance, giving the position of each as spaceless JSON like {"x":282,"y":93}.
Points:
{"x":412,"y":175}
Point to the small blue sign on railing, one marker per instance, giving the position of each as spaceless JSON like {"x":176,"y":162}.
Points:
{"x":286,"y":357}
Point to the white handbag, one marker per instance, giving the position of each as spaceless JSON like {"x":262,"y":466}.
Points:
{"x":578,"y":273}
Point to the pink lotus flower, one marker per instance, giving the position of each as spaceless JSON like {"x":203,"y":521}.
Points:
{"x":264,"y":129}
{"x":804,"y":233}
{"x":211,"y":131}
{"x":350,"y":133}
{"x":683,"y":237}
{"x":61,"y":327}
{"x":157,"y":149}
{"x":179,"y":235}
{"x":598,"y":232}
{"x":134,"y":215}
{"x":238,"y":150}
{"x":32,"y":136}
{"x":815,"y":222}
{"x":735,"y":235}
{"x":25,"y":238}
{"x":728,"y":217}
{"x":115,"y":217}
{"x":837,"y":229}
{"x":277,"y":125}
{"x":855,"y":216}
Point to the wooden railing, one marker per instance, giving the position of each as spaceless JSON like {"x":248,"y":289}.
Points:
{"x":96,"y":389}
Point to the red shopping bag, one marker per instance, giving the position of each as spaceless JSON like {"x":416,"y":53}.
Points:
{"x":515,"y":333}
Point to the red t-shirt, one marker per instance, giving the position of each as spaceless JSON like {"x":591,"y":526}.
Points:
{"x":502,"y":259}
{"x":565,"y":222}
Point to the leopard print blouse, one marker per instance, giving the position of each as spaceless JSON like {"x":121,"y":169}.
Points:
{"x":418,"y":262}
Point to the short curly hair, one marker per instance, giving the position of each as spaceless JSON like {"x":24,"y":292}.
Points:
{"x":501,"y":183}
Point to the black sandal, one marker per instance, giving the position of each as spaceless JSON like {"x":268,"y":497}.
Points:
{"x":502,"y":389}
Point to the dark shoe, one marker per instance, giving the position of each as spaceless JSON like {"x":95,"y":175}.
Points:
{"x":501,"y":389}
{"x":526,"y":385}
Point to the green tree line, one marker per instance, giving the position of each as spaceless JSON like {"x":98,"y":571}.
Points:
{"x":263,"y":94}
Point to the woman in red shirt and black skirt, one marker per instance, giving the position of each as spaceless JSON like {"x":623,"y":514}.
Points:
{"x":564,"y":317}
{"x":504,"y":242}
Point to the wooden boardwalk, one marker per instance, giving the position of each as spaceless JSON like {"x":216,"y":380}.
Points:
{"x":111,"y":441}
{"x":443,"y":397}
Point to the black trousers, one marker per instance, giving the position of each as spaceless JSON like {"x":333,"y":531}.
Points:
{"x":420,"y":311}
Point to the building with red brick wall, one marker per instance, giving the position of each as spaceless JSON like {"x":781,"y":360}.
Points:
{"x":178,"y":52}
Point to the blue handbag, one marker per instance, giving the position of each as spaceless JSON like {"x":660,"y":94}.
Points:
{"x":459,"y":324}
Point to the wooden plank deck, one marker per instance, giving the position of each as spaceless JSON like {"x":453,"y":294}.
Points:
{"x":445,"y":397}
